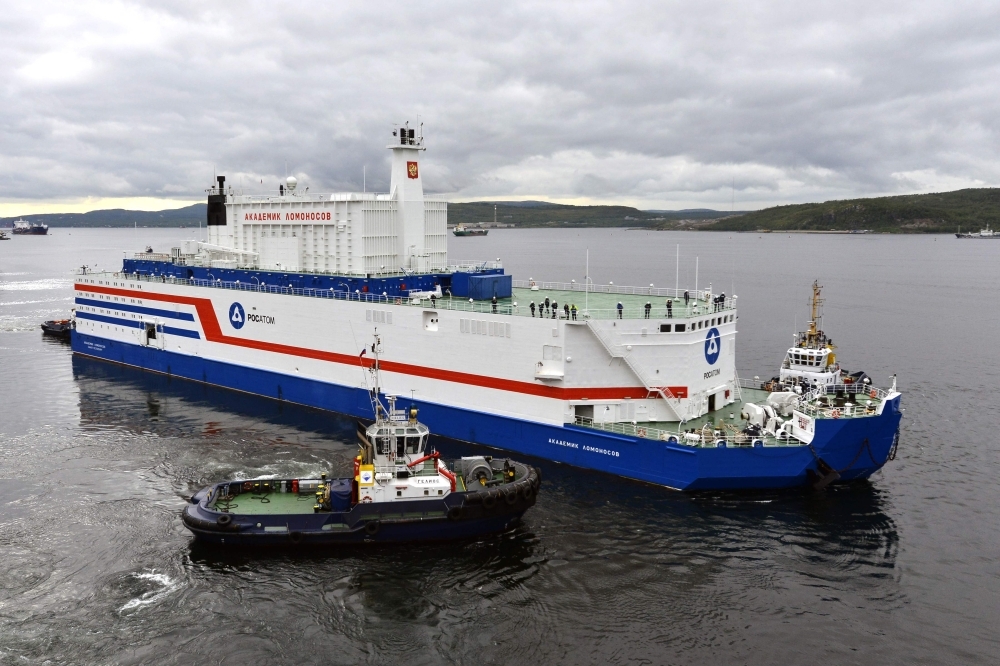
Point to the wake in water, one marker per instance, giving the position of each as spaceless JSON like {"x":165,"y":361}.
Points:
{"x":166,"y":584}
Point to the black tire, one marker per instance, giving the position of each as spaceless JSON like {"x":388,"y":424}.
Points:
{"x":224,"y":519}
{"x":456,"y":513}
{"x":527,"y":492}
{"x":371,"y":527}
{"x":295,"y":537}
{"x":510,"y":497}
{"x":489,"y":501}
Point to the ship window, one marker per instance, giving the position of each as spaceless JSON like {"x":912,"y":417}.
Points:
{"x":664,"y":328}
{"x":679,"y":328}
{"x":412,"y":444}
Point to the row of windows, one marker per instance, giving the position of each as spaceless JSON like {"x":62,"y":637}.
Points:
{"x":102,"y":297}
{"x":705,"y":323}
{"x":807,"y":359}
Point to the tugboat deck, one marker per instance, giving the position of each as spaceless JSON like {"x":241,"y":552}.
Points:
{"x":267,"y":503}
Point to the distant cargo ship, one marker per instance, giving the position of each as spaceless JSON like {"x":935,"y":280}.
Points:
{"x":983,"y":233}
{"x":638,"y":382}
{"x":462,"y":230}
{"x":22,"y":228}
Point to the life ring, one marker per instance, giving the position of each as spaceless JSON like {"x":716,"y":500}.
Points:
{"x":640,"y":432}
{"x":224,"y":519}
{"x":366,"y":500}
{"x":489,"y":501}
{"x":247,"y":486}
{"x":873,"y":394}
{"x":835,"y":413}
{"x":372,"y":527}
{"x":456,"y":513}
{"x":510,"y":497}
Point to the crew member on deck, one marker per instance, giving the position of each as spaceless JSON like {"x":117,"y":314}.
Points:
{"x":566,"y":309}
{"x":572,"y":309}
{"x":555,"y":309}
{"x":532,"y":306}
{"x":687,"y":298}
{"x":670,"y":309}
{"x":649,"y":306}
{"x":494,"y":302}
{"x":545,"y":306}
{"x":620,"y":308}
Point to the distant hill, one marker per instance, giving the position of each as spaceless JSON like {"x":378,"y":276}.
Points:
{"x":516,"y":213}
{"x":189,"y":216}
{"x":543,"y":214}
{"x":943,"y":212}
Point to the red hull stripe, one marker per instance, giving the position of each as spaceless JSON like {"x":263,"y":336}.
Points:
{"x":213,"y":333}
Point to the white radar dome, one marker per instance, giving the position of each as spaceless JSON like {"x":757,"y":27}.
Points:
{"x":290,"y":183}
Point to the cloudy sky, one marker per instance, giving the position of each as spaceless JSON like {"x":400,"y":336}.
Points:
{"x":655,"y":104}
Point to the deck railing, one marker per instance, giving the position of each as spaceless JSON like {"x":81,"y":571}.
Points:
{"x":456,"y":304}
{"x":863,"y":394}
{"x":705,"y":437}
{"x":700,"y":301}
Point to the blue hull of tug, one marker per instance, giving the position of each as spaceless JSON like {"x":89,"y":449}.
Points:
{"x":856,"y":448}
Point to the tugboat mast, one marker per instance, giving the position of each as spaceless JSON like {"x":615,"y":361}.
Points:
{"x":812,"y":335}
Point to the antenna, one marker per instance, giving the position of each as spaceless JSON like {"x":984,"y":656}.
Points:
{"x":364,"y":178}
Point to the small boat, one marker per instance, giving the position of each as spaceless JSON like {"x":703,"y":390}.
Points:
{"x":58,"y":328}
{"x":4,"y":236}
{"x":399,"y":492}
{"x":462,"y":230}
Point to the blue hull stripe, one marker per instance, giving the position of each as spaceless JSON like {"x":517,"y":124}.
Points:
{"x":124,"y":307}
{"x":840,"y":443}
{"x":117,"y":321}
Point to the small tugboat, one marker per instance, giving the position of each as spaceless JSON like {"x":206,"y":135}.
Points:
{"x":399,"y":492}
{"x":58,"y":328}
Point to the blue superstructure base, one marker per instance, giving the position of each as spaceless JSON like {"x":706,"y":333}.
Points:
{"x":856,"y":448}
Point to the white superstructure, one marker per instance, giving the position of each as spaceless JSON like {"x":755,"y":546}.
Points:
{"x":354,"y":233}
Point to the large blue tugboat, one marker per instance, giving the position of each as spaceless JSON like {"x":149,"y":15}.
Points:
{"x":399,"y":492}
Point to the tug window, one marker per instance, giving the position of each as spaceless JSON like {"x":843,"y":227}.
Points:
{"x":412,"y":444}
{"x":679,"y":328}
{"x":664,"y":328}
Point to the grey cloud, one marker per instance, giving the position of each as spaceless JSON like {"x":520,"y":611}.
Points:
{"x":651,"y":104}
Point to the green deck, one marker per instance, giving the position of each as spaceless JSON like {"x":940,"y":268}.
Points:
{"x":268,"y":504}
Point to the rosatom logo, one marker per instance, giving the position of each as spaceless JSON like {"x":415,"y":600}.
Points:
{"x":713,"y":346}
{"x":237,"y":316}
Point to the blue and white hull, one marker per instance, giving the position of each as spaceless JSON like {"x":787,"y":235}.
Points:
{"x":856,"y":448}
